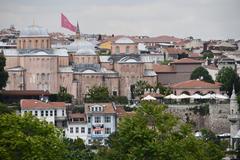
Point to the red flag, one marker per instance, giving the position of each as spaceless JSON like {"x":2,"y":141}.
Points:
{"x":65,"y":23}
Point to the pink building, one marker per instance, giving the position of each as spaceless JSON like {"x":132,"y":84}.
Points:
{"x":34,"y":65}
{"x":191,"y":87}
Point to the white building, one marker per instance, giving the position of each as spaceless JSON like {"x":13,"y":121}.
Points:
{"x":52,"y":112}
{"x":98,"y":122}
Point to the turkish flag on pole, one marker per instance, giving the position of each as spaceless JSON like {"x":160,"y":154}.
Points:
{"x":65,"y":23}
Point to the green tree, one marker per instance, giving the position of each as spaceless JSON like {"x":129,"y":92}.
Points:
{"x":208,"y":54}
{"x":98,"y":94}
{"x":152,"y":133}
{"x":201,"y":72}
{"x":61,"y":96}
{"x":76,"y":150}
{"x":139,"y":88}
{"x":228,"y":77}
{"x":163,"y":90}
{"x":3,"y":73}
{"x":27,"y":138}
{"x":4,"y":109}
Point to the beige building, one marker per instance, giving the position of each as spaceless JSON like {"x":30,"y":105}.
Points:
{"x":34,"y":65}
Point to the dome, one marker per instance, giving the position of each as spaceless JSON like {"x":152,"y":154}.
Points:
{"x":82,"y":47}
{"x":124,"y":40}
{"x":34,"y":31}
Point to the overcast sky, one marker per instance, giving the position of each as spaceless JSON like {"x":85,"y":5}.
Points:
{"x":206,"y":19}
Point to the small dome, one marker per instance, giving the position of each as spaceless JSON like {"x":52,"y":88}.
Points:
{"x":82,"y":47}
{"x":34,"y":31}
{"x":124,"y":40}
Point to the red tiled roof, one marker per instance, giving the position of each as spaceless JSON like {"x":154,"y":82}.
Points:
{"x":176,"y":51}
{"x":160,"y":39}
{"x":37,"y":104}
{"x":159,"y":68}
{"x":187,"y":61}
{"x":195,"y":84}
{"x":108,"y":107}
{"x":196,"y":55}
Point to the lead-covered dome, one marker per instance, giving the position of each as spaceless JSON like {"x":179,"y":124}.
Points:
{"x":82,"y":47}
{"x":34,"y":31}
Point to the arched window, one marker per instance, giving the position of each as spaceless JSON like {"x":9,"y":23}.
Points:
{"x":29,"y":44}
{"x":42,"y":44}
{"x":36,"y":44}
{"x":117,"y":50}
{"x":127,"y":49}
{"x":24,"y":44}
{"x":42,"y":76}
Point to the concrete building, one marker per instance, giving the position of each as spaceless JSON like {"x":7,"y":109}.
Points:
{"x":52,"y":112}
{"x":176,"y":71}
{"x":95,"y":124}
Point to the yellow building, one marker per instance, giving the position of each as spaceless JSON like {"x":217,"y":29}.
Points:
{"x":106,"y":45}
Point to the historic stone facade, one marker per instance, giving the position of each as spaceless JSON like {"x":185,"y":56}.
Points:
{"x":34,"y":65}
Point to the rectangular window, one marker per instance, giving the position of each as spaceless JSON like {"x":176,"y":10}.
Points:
{"x":36,"y":113}
{"x":55,"y":112}
{"x":42,"y":113}
{"x":97,"y":119}
{"x":107,"y":130}
{"x":51,"y":113}
{"x":62,"y":112}
{"x":89,"y":119}
{"x":89,"y":141}
{"x":107,"y":119}
{"x":92,"y":109}
{"x":89,"y":130}
{"x":71,"y":129}
{"x":82,"y":129}
{"x":114,"y":93}
{"x":46,"y":112}
{"x":97,"y":132}
{"x":77,"y":129}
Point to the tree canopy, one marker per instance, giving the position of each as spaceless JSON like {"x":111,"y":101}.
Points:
{"x":3,"y":73}
{"x":26,"y":138}
{"x":61,"y":96}
{"x":152,"y":133}
{"x":207,"y":54}
{"x":98,"y":94}
{"x":201,"y":72}
{"x":228,"y":77}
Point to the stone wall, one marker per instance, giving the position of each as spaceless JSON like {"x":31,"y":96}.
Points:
{"x":216,"y":121}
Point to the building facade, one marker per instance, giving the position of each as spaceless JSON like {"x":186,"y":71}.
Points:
{"x":34,"y":65}
{"x":95,"y":124}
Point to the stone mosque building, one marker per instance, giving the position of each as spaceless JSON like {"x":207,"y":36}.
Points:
{"x":34,"y":65}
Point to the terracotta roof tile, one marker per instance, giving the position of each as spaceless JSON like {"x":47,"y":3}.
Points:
{"x":108,"y":107}
{"x":176,"y":51}
{"x":159,"y":68}
{"x":195,"y":84}
{"x":37,"y":104}
{"x":187,"y":61}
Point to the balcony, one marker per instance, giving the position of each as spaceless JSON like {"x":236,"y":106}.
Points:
{"x":60,"y":118}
